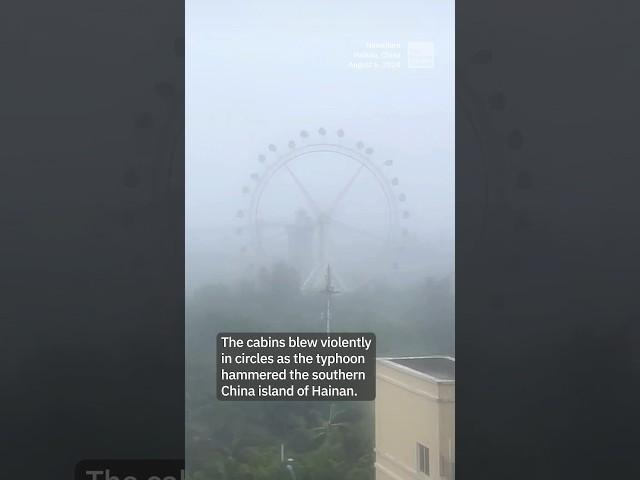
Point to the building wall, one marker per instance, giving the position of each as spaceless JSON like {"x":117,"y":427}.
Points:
{"x":408,"y":410}
{"x":447,"y":429}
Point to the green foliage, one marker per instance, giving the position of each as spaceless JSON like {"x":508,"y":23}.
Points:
{"x":241,"y":440}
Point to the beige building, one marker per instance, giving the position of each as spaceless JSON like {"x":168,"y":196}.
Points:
{"x":415,"y":418}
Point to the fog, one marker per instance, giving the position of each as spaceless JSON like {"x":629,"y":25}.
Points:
{"x":266,"y":73}
{"x":309,"y":140}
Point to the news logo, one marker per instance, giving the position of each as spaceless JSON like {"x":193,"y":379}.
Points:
{"x":420,"y":55}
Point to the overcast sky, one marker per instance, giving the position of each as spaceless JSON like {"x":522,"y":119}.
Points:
{"x":259,"y":72}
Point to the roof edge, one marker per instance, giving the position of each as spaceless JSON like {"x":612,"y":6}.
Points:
{"x":388,"y":361}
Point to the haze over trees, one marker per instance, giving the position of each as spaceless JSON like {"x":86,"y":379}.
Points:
{"x":242,"y":440}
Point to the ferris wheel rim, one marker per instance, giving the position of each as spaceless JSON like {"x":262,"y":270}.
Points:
{"x":285,"y":159}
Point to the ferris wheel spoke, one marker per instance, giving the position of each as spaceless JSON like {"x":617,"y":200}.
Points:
{"x":305,"y":192}
{"x":345,"y":190}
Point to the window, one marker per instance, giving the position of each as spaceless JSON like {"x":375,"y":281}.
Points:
{"x":423,"y":459}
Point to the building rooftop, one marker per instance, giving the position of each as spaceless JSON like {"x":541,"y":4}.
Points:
{"x":440,"y":368}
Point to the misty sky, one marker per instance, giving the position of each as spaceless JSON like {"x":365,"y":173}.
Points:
{"x":259,"y":72}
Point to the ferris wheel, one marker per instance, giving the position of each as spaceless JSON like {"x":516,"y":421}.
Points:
{"x":324,"y":199}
